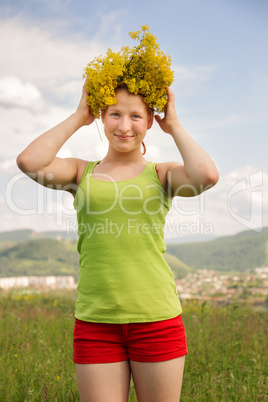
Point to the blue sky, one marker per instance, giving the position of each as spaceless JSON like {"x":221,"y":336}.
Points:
{"x":218,"y":49}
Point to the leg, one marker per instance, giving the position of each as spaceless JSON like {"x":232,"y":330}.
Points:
{"x":158,"y":382}
{"x":106,"y":382}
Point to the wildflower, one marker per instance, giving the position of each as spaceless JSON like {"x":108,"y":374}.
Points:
{"x":143,"y":69}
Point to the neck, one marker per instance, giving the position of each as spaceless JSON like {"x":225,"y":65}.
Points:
{"x":135,"y":156}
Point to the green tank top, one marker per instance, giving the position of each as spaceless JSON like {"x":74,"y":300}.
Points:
{"x":123,"y":275}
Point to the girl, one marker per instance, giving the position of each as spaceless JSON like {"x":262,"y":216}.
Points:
{"x":128,"y":314}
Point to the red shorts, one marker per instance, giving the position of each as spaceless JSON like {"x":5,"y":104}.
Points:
{"x":142,"y":342}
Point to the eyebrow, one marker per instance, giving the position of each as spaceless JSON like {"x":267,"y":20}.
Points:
{"x":113,"y":109}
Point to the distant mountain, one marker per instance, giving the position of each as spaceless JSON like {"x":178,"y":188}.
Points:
{"x":40,"y":257}
{"x":25,"y":252}
{"x":190,"y":239}
{"x":179,"y":268}
{"x":55,"y":257}
{"x":245,"y":250}
{"x":15,"y":236}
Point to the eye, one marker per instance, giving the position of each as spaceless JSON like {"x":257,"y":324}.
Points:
{"x":115,"y":114}
{"x":135,"y":116}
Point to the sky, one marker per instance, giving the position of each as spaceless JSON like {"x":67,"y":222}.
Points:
{"x":221,"y":80}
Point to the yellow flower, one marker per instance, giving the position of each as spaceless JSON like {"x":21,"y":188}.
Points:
{"x":144,"y":69}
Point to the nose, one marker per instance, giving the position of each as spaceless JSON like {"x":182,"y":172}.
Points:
{"x":124,"y":125}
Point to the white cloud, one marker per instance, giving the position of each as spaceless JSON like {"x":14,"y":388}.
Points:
{"x":13,"y":92}
{"x":8,"y":165}
{"x":205,"y":125}
{"x":19,"y":126}
{"x":193,"y":73}
{"x":108,"y":20}
{"x":238,"y":202}
{"x":44,"y":69}
{"x":44,"y":56}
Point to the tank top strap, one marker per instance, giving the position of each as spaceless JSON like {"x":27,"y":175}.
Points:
{"x":89,"y":169}
{"x":151,"y":169}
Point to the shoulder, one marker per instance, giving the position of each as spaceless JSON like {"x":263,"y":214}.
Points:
{"x":81,"y":165}
{"x":162,"y":170}
{"x":164,"y":167}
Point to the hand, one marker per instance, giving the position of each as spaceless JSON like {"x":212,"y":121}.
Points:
{"x":83,"y":108}
{"x":170,"y":119}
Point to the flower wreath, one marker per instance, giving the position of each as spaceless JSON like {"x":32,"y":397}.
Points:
{"x":144,"y":69}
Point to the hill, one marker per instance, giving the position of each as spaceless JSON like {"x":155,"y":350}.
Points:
{"x":179,"y":268}
{"x":55,"y":257}
{"x":40,"y":257}
{"x":15,"y":236}
{"x":26,"y":252}
{"x":240,"y":252}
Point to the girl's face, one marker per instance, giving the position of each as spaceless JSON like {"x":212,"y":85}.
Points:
{"x":126,"y":123}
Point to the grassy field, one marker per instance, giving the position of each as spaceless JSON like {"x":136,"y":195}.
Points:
{"x":227,"y":360}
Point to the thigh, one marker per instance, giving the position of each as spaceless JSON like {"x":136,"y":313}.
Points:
{"x":158,"y":382}
{"x":107,"y":382}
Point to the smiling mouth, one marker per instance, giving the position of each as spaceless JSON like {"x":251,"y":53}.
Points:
{"x":123,"y":137}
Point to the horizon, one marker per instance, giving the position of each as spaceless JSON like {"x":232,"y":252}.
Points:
{"x":180,"y":240}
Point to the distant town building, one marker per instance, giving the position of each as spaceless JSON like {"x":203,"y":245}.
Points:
{"x":38,"y":282}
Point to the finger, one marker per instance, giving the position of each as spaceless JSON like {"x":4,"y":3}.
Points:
{"x":85,"y":91}
{"x":158,"y":118}
{"x":85,"y":83}
{"x":170,"y":94}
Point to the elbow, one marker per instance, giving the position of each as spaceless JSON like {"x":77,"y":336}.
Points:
{"x":24,"y":163}
{"x":214,"y":176}
{"x":21,"y":163}
{"x":211,"y":178}
{"x":206,"y":178}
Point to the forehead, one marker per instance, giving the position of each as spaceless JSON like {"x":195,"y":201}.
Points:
{"x":126,"y":99}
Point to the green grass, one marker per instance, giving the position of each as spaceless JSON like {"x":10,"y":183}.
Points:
{"x":226,"y":362}
{"x":36,"y":349}
{"x":228,"y":348}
